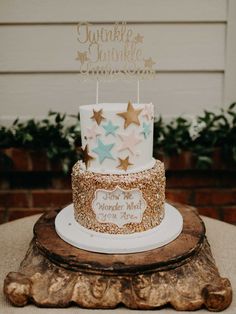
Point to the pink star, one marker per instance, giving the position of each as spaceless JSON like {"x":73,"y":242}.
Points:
{"x":148,"y":111}
{"x":93,"y":132}
{"x":129,"y":142}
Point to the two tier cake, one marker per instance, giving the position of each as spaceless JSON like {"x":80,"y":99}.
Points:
{"x":118,"y":188}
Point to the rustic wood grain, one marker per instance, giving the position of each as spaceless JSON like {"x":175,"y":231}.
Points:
{"x":182,"y":273}
{"x":64,"y":254}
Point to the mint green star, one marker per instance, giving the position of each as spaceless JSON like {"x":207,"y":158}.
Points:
{"x":103,"y":151}
{"x":110,"y":128}
{"x":146,"y":129}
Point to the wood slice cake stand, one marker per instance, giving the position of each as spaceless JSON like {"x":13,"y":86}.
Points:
{"x":182,"y":273}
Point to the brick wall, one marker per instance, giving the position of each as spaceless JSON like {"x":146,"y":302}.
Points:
{"x":34,"y":185}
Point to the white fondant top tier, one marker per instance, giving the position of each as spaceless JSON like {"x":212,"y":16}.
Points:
{"x":117,"y":137}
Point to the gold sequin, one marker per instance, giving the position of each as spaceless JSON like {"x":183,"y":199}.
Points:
{"x":150,"y":182}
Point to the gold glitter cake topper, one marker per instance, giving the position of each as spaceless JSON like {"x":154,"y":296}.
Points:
{"x":112,"y":51}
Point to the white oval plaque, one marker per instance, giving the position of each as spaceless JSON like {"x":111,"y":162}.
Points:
{"x":119,"y":206}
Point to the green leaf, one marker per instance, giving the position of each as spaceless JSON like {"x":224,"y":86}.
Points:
{"x":204,"y":162}
{"x":232,"y":106}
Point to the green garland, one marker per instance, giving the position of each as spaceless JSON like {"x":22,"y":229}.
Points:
{"x":52,"y":135}
{"x":60,"y":139}
{"x":208,"y":132}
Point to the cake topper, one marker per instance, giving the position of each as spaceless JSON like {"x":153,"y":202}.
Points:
{"x":112,"y":51}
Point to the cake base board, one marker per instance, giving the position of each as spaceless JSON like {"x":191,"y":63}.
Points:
{"x":73,"y":233}
{"x":181,"y":274}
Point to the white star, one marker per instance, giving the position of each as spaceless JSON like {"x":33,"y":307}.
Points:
{"x":148,"y":111}
{"x":129,"y":142}
{"x":93,"y":132}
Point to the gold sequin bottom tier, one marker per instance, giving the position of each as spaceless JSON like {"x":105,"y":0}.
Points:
{"x":150,"y":182}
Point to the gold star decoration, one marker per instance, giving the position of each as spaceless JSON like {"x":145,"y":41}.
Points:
{"x":82,"y":57}
{"x":130,"y":116}
{"x":86,"y":157}
{"x":97,"y":116}
{"x":124,"y":163}
{"x":148,"y":63}
{"x":138,"y":38}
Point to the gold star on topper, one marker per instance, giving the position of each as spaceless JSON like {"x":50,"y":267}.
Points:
{"x":124,"y":163}
{"x":148,"y":63}
{"x":97,"y":116}
{"x":82,"y":57}
{"x":130,"y":116}
{"x":86,"y":157}
{"x":138,"y":38}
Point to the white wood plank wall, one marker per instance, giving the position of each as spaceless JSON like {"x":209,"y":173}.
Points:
{"x":192,"y":41}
